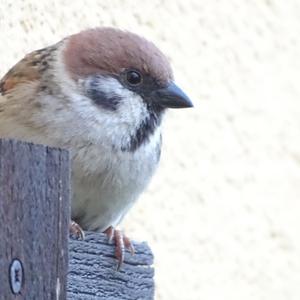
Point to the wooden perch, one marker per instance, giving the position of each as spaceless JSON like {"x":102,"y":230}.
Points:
{"x":93,"y":275}
{"x":34,"y":220}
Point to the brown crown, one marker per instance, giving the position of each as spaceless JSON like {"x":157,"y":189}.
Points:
{"x":109,"y":51}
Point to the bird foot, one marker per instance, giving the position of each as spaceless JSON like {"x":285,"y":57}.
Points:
{"x":122,"y":243}
{"x":76,"y":230}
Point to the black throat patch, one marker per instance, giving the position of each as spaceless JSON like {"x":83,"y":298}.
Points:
{"x":145,"y":130}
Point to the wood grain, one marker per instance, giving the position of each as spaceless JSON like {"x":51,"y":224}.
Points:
{"x":34,"y":216}
{"x":93,"y":275}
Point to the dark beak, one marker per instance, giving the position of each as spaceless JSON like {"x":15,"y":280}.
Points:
{"x":172,"y":97}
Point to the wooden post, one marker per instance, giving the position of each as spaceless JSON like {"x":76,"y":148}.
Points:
{"x":34,"y":216}
{"x":34,"y":226}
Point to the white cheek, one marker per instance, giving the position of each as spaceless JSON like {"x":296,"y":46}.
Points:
{"x":131,"y":110}
{"x":100,"y":125}
{"x":74,"y":118}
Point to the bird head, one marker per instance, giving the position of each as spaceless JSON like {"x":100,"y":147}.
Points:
{"x":113,"y":62}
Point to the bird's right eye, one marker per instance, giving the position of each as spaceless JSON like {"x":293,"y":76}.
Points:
{"x":133,"y":77}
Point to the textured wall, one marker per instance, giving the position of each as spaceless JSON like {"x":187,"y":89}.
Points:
{"x":222,"y":213}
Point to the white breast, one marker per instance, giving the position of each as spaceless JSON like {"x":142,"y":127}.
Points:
{"x":106,"y":183}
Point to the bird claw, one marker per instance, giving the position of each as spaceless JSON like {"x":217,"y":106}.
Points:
{"x":122,"y":243}
{"x":76,"y":230}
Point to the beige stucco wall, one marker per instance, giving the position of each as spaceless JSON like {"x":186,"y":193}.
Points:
{"x":222,"y":213}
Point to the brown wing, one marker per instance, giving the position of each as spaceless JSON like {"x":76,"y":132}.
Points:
{"x":24,"y":71}
{"x":30,"y":68}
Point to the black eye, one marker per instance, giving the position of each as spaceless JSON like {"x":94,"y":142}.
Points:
{"x":133,"y":77}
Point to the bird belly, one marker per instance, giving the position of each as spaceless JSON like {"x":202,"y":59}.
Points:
{"x":104,"y":193}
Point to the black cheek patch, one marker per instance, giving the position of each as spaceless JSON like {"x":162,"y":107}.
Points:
{"x":109,"y":102}
{"x":103,"y":99}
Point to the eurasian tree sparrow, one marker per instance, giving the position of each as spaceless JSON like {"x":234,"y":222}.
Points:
{"x":102,"y":94}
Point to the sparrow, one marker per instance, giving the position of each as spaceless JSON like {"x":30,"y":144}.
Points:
{"x":102,"y":94}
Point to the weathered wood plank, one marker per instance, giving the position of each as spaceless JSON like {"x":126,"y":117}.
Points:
{"x":93,"y":275}
{"x":34,"y":216}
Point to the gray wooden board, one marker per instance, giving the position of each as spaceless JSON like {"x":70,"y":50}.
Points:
{"x":34,"y":216}
{"x":93,"y":275}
